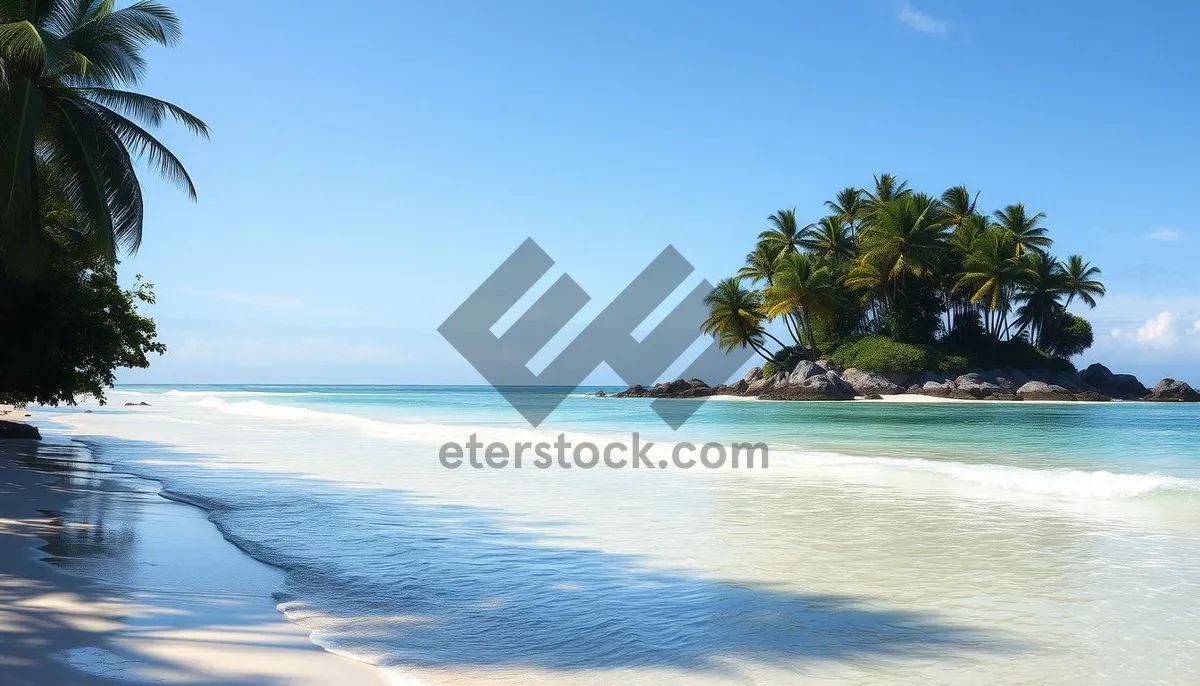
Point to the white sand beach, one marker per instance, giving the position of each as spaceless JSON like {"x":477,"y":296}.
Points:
{"x":103,"y":580}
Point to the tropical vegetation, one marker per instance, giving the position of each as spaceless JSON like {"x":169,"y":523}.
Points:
{"x":892,"y":279}
{"x":72,"y":133}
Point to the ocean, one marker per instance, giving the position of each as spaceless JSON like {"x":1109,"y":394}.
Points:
{"x":881,"y":542}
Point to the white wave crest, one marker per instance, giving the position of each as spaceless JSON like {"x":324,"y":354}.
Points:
{"x":1068,"y":483}
{"x":1062,"y":483}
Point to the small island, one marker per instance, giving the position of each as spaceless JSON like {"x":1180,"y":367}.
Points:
{"x":900,"y":292}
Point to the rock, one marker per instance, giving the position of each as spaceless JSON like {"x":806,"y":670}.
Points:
{"x":1018,"y":377}
{"x":1092,"y":397}
{"x":87,"y":411}
{"x":805,"y":370}
{"x":914,"y":389}
{"x":827,"y":386}
{"x":873,"y":396}
{"x":1040,"y":390}
{"x":1003,"y":379}
{"x":1004,"y":396}
{"x":1170,"y":390}
{"x":1123,"y":386}
{"x":19,"y":430}
{"x":938,"y":389}
{"x":870,"y":383}
{"x":1097,"y":375}
{"x":1126,"y":387}
{"x":973,"y":386}
{"x":759,"y":385}
{"x":634,"y":391}
{"x":1071,"y":381}
{"x":601,"y":394}
{"x":753,"y":374}
{"x":936,"y":377}
{"x":830,"y":365}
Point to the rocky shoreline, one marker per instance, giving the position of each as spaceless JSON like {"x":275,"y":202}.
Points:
{"x":824,"y":380}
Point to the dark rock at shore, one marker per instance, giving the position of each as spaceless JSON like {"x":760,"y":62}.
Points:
{"x":1123,"y":386}
{"x":141,"y":404}
{"x":18,"y":430}
{"x":870,"y":383}
{"x":824,"y":381}
{"x":1170,"y":390}
{"x":938,"y":389}
{"x":827,"y":386}
{"x":974,"y":386}
{"x":1040,"y":390}
{"x":679,"y":388}
{"x":873,"y":396}
{"x":601,"y":394}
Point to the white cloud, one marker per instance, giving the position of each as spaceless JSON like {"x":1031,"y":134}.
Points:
{"x":1165,"y":330}
{"x":1165,"y":235}
{"x":922,"y":22}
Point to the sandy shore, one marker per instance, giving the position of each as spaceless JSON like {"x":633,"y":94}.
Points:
{"x":104,"y":581}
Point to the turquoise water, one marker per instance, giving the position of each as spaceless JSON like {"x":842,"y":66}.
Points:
{"x":885,"y":542}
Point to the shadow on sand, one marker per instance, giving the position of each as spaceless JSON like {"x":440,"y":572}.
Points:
{"x":417,"y":583}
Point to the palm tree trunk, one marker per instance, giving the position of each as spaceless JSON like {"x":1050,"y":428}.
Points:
{"x":768,"y":335}
{"x":760,"y":352}
{"x":812,"y":339}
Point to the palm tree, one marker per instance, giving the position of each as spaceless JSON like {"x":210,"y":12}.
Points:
{"x":850,"y":206}
{"x":828,"y":239}
{"x":760,"y":263}
{"x":1028,"y":232}
{"x":802,"y":288}
{"x":1039,"y":291}
{"x":68,"y":126}
{"x":888,"y":188}
{"x":784,"y":234}
{"x":1079,"y":281}
{"x":735,"y":317}
{"x":904,"y":236}
{"x":992,"y":271}
{"x":962,"y":241}
{"x":958,"y":205}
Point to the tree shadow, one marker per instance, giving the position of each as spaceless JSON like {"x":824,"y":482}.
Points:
{"x":414,"y":582}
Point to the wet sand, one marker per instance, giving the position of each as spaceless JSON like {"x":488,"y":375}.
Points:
{"x":102,"y":580}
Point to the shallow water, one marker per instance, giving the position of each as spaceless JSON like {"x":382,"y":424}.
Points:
{"x":884,"y":542}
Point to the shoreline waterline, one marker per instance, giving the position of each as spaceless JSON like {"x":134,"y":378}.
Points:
{"x":225,"y":629}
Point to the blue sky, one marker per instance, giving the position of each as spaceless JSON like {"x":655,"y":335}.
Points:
{"x":368,"y":170}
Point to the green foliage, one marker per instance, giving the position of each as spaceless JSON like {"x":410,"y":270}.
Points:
{"x":1072,"y":336}
{"x":64,"y":65}
{"x":66,"y":330}
{"x":899,"y":266}
{"x":735,"y":316}
{"x":917,"y":317}
{"x":882,"y":354}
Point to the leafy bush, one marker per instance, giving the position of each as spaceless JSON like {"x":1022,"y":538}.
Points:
{"x":1073,"y":337}
{"x":882,"y":354}
{"x":68,"y":329}
{"x":952,"y":364}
